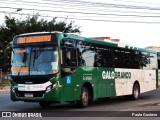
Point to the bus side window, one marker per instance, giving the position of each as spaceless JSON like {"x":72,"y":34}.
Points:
{"x":86,"y":53}
{"x":104,"y":56}
{"x":144,"y":60}
{"x":153,"y":61}
{"x":69,"y":57}
{"x":99,"y":56}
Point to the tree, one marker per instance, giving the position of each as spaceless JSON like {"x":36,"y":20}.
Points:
{"x":14,"y":27}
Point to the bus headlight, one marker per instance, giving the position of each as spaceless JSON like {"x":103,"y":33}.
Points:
{"x":55,"y":85}
{"x":49,"y":88}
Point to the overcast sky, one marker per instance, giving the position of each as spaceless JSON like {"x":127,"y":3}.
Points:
{"x":102,"y":16}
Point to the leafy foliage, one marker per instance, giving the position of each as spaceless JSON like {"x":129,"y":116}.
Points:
{"x":14,"y":27}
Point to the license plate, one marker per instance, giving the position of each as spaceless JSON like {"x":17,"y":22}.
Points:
{"x":29,"y":95}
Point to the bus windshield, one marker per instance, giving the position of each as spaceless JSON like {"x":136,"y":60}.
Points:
{"x":35,"y":61}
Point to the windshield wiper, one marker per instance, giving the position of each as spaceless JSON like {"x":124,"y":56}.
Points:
{"x":37,"y":54}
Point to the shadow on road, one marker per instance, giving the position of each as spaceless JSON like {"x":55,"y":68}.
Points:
{"x":107,"y":102}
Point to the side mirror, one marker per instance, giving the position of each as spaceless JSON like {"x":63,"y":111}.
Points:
{"x":69,"y":70}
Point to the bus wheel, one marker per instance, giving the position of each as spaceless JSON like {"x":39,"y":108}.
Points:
{"x":135,"y":92}
{"x":44,"y":104}
{"x":84,"y":98}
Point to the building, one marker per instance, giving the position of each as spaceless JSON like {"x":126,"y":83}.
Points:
{"x":106,"y":38}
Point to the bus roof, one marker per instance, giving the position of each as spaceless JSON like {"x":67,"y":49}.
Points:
{"x":37,"y":33}
{"x":110,"y":43}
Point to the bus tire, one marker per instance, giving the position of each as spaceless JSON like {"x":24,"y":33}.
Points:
{"x":44,"y":104}
{"x":84,"y":98}
{"x":135,"y":92}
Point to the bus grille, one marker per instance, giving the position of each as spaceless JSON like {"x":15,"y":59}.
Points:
{"x":35,"y":93}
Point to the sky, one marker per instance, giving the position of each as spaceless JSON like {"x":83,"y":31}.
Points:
{"x":139,"y":20}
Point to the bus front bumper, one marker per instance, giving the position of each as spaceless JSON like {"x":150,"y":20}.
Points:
{"x":35,"y":93}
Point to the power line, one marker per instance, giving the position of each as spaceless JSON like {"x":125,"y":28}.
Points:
{"x":135,"y":2}
{"x":107,"y":4}
{"x":87,"y":19}
{"x":87,"y":13}
{"x":97,"y":4}
{"x":84,"y":8}
{"x":97,"y":13}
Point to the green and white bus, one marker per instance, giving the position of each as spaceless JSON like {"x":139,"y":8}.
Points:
{"x":50,"y":67}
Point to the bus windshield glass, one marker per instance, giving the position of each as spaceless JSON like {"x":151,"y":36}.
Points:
{"x":35,"y":61}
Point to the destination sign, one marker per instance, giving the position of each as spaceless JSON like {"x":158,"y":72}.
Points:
{"x":20,"y":69}
{"x":34,"y":39}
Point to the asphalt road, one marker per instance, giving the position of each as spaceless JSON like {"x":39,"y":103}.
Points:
{"x":117,"y":107}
